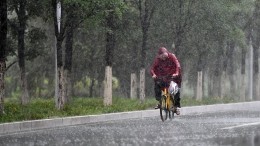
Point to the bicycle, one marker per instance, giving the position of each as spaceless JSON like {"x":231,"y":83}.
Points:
{"x":167,"y":108}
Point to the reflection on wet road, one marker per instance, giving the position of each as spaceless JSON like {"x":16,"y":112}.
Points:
{"x":224,"y":128}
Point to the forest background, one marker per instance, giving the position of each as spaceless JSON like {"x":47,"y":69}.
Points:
{"x":59,"y":49}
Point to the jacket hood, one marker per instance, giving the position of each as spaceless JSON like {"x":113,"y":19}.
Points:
{"x":162,"y":50}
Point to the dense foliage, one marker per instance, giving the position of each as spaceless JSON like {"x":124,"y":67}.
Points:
{"x":206,"y":35}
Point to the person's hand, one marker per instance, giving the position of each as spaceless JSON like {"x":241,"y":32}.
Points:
{"x":174,"y":76}
{"x":154,"y":76}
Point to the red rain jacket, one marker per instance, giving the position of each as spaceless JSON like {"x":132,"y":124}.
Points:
{"x":167,"y":67}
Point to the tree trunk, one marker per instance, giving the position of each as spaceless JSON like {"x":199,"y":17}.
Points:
{"x":256,"y":72}
{"x":243,"y":88}
{"x":108,"y":86}
{"x":256,"y":92}
{"x":110,"y":46}
{"x":142,"y":70}
{"x":68,"y":59}
{"x":21,"y":13}
{"x":25,"y":94}
{"x":59,"y":33}
{"x":256,"y":87}
{"x":91,"y":75}
{"x":216,"y":85}
{"x":242,"y":77}
{"x":223,"y":84}
{"x":232,"y":86}
{"x":91,"y":87}
{"x":2,"y":84}
{"x":134,"y":67}
{"x":250,"y":81}
{"x":133,"y":92}
{"x":61,"y":90}
{"x":220,"y":66}
{"x":3,"y":38}
{"x":199,"y":86}
{"x":61,"y":100}
{"x":231,"y":70}
{"x":210,"y":85}
{"x":256,"y":46}
{"x":142,"y":85}
{"x":146,"y":13}
{"x":205,"y":80}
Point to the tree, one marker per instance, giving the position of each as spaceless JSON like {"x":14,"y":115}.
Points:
{"x":20,"y":9}
{"x":59,"y":28}
{"x":3,"y":38}
{"x":68,"y":54}
{"x":113,"y":13}
{"x":146,"y":10}
{"x":256,"y":46}
{"x":73,"y":20}
{"x":24,"y":9}
{"x":82,"y":11}
{"x":64,"y":26}
{"x":110,"y":46}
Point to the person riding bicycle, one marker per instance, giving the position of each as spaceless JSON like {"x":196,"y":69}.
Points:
{"x":166,"y":64}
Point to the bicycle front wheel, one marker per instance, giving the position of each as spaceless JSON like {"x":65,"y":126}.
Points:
{"x":171,"y":109}
{"x":163,"y":109}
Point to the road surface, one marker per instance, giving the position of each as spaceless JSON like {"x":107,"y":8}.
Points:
{"x":230,"y":127}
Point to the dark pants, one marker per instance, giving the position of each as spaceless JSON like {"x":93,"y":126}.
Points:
{"x":158,"y":94}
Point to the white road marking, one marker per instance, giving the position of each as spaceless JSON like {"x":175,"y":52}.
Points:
{"x":242,"y":125}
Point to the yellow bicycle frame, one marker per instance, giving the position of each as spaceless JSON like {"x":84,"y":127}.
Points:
{"x":168,"y":99}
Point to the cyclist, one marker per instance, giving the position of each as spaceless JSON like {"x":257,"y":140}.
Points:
{"x":166,"y":64}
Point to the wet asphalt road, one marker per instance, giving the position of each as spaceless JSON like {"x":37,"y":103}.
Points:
{"x":239,"y":128}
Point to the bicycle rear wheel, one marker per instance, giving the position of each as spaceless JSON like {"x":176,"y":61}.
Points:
{"x":163,"y":109}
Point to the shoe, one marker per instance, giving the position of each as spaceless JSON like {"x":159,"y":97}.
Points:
{"x":177,"y":111}
{"x":157,"y":106}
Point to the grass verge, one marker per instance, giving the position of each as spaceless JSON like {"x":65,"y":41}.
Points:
{"x":45,"y":108}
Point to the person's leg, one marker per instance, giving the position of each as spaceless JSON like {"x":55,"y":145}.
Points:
{"x":158,"y":92}
{"x":177,"y":99}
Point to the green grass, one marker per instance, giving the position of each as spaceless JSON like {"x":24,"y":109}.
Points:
{"x":45,"y":108}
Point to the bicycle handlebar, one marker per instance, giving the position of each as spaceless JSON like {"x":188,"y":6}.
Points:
{"x":164,"y":78}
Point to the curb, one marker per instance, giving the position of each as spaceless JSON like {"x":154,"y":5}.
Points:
{"x":9,"y":128}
